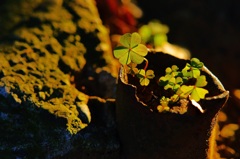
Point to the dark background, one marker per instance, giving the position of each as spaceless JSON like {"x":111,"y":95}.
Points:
{"x":208,"y":28}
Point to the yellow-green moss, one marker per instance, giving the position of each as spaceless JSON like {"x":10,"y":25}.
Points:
{"x":54,"y":42}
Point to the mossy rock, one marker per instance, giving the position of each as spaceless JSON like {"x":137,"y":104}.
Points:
{"x":46,"y":62}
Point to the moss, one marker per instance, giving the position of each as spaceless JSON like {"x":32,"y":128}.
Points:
{"x":44,"y":62}
{"x":38,"y":80}
{"x":99,"y":54}
{"x":35,"y":75}
{"x":53,"y":45}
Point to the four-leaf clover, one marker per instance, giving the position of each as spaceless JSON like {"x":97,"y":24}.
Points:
{"x":131,"y":49}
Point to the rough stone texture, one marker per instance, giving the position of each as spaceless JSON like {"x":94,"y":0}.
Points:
{"x":50,"y":55}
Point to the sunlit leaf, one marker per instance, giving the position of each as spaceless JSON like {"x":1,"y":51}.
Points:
{"x":198,"y":93}
{"x":140,"y":50}
{"x":122,"y":54}
{"x":132,"y":50}
{"x":192,"y":70}
{"x":144,"y":81}
{"x":144,"y":76}
{"x":186,"y":91}
{"x":201,"y":81}
{"x":125,"y":40}
{"x":131,"y":68}
{"x":150,"y":74}
{"x":163,"y":104}
{"x":135,"y":40}
{"x":195,"y":91}
{"x":195,"y":62}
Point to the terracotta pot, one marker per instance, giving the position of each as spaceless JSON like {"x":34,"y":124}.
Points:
{"x":152,"y":135}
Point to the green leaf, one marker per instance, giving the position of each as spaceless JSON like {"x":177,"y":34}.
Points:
{"x":144,"y":81}
{"x":163,"y":104}
{"x":138,"y":53}
{"x":195,"y":62}
{"x":135,"y":40}
{"x":168,"y":70}
{"x":144,"y":76}
{"x":125,"y":40}
{"x":174,"y":67}
{"x":150,"y":74}
{"x":122,"y":54}
{"x":201,"y":81}
{"x":141,"y":73}
{"x":198,"y":93}
{"x":192,"y":70}
{"x":195,"y":91}
{"x":132,"y":50}
{"x":145,"y":32}
{"x":132,"y":68}
{"x":159,"y":39}
{"x":186,"y":91}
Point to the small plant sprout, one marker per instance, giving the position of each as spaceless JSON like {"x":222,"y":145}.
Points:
{"x":195,"y":92}
{"x":172,"y":79}
{"x":163,"y":107}
{"x":132,"y":52}
{"x":192,"y":70}
{"x":144,"y":76}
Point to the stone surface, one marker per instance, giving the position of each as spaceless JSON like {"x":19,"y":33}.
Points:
{"x":46,"y":53}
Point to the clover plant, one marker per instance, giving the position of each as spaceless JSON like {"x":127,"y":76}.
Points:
{"x":187,"y":83}
{"x":131,"y":52}
{"x":195,"y":92}
{"x":154,"y":33}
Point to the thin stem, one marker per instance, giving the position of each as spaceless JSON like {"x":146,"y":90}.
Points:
{"x":146,"y":65}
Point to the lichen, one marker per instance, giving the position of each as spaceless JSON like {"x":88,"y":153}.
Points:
{"x":55,"y":43}
{"x":37,"y":79}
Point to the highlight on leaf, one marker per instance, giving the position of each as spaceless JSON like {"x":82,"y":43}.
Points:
{"x":131,"y":49}
{"x":195,"y":92}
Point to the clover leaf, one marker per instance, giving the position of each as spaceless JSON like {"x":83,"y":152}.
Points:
{"x":144,"y":76}
{"x":170,"y":80}
{"x":131,"y":68}
{"x":196,"y":63}
{"x":195,"y":92}
{"x":192,"y":70}
{"x":131,"y":49}
{"x":163,"y":104}
{"x":174,"y":98}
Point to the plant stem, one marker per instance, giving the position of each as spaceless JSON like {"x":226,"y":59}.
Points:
{"x":146,"y":65}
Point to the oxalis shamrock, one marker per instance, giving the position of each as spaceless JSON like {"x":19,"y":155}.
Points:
{"x":180,"y":85}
